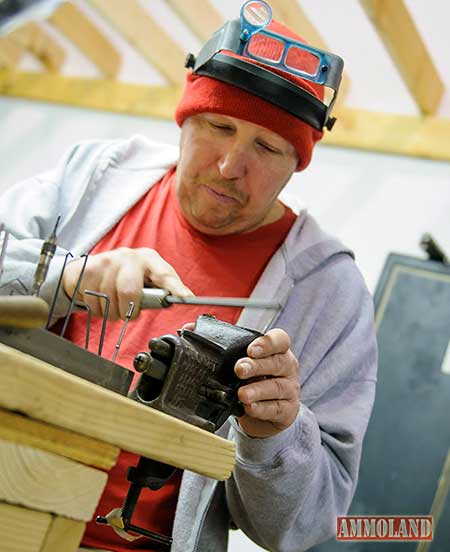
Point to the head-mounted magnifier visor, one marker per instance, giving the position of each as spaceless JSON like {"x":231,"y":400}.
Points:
{"x":249,"y":38}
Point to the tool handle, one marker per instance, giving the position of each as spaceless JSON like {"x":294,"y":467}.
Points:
{"x":23,"y":311}
{"x":154,"y":298}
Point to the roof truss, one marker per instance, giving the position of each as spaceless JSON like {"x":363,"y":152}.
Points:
{"x":402,"y":40}
{"x":144,"y":33}
{"x":425,"y":136}
{"x":80,"y":30}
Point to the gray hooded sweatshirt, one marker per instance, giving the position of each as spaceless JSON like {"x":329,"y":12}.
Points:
{"x":285,"y":491}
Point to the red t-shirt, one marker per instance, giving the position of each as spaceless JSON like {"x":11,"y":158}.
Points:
{"x":208,"y":265}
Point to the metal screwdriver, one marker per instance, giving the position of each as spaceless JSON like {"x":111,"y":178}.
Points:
{"x":155,"y":298}
{"x":4,"y":245}
{"x":47,"y":254}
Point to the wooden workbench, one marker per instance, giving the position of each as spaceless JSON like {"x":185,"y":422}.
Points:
{"x":59,"y":435}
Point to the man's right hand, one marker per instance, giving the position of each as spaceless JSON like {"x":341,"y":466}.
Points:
{"x":122,"y":274}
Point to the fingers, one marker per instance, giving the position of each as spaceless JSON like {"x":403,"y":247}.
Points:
{"x":273,"y":342}
{"x":268,"y":390}
{"x":273,"y":411}
{"x":162,"y":274}
{"x":271,"y":390}
{"x":120,"y":274}
{"x":129,"y":285}
{"x":278,"y":365}
{"x":270,"y":405}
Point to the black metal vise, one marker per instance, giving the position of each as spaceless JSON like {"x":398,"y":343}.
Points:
{"x":191,"y":375}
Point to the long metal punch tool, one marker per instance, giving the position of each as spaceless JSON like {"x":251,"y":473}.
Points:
{"x":155,"y":298}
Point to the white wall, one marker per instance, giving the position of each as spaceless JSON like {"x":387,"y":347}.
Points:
{"x":374,"y":203}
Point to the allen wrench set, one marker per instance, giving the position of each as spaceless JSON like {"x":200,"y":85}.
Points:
{"x":40,"y":342}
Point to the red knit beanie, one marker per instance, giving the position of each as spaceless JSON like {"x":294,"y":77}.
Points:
{"x":205,"y":94}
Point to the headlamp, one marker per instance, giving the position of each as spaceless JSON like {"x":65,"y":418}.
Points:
{"x":250,"y":38}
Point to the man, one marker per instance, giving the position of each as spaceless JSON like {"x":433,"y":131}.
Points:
{"x":209,"y":222}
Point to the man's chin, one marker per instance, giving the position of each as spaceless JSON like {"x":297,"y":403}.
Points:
{"x":214,"y":225}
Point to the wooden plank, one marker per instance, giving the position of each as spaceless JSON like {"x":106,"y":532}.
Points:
{"x":26,"y":431}
{"x":23,"y":311}
{"x":80,"y":30}
{"x":22,"y":530}
{"x":291,"y":14}
{"x":402,"y":40}
{"x":201,"y":17}
{"x":139,"y":28}
{"x":10,"y":52}
{"x":33,"y":38}
{"x":63,"y":535}
{"x":151,"y":101}
{"x":34,"y":387}
{"x":43,"y":481}
{"x":389,"y":133}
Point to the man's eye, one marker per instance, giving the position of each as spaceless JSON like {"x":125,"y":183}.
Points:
{"x":220,"y":127}
{"x":268,"y":148}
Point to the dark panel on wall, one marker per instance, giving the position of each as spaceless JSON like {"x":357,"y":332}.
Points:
{"x":407,"y":444}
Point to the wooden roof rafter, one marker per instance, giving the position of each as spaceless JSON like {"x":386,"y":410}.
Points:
{"x":83,"y":33}
{"x":10,"y":52}
{"x":92,"y":93}
{"x":203,"y":21}
{"x":38,"y":42}
{"x":399,"y":33}
{"x":144,"y":33}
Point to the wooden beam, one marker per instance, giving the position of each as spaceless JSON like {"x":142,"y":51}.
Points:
{"x":33,"y":38}
{"x":426,"y":137}
{"x":10,"y":52}
{"x":34,"y":387}
{"x":80,"y":30}
{"x":201,"y":17}
{"x":23,"y":530}
{"x":22,"y":430}
{"x":140,"y":29}
{"x":63,"y":535}
{"x":23,"y":311}
{"x":291,"y":14}
{"x":44,"y":481}
{"x":402,"y":40}
{"x":150,"y":101}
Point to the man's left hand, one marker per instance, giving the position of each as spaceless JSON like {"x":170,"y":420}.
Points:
{"x":272,"y":395}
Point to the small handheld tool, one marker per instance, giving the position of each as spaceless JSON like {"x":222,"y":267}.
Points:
{"x":155,"y":298}
{"x":4,"y":245}
{"x":47,"y":253}
{"x":128,"y":316}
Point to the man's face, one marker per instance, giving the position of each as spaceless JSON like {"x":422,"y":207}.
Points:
{"x":230,"y":173}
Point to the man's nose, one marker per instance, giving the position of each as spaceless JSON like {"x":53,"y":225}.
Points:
{"x":233,"y":163}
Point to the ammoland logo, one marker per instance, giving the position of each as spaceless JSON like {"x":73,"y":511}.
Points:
{"x":384,"y":528}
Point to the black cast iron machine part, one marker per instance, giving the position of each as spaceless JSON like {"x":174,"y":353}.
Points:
{"x":190,"y":376}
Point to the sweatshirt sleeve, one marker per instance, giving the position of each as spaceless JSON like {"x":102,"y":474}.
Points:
{"x":287,"y":490}
{"x":29,"y":211}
